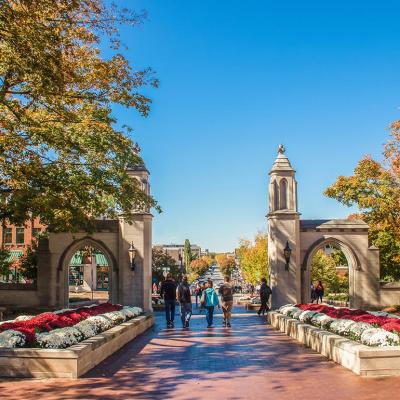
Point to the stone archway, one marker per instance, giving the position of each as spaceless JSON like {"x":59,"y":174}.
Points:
{"x":349,"y":253}
{"x":76,"y":245}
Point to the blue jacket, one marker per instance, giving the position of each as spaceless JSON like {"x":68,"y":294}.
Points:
{"x":211,"y":298}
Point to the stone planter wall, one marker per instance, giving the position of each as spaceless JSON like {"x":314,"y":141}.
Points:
{"x":362,"y":360}
{"x":75,"y":360}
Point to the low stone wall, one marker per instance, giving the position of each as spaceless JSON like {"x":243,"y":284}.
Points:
{"x":362,"y":360}
{"x":389,"y":293}
{"x":75,"y":360}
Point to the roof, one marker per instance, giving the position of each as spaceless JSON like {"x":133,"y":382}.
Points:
{"x":332,"y":224}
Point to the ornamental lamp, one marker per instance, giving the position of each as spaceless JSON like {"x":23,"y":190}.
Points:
{"x":132,"y":254}
{"x":287,"y":251}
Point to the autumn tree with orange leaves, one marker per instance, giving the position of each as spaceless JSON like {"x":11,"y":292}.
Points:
{"x":375,"y":189}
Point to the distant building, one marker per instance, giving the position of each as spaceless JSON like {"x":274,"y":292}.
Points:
{"x":176,"y":251}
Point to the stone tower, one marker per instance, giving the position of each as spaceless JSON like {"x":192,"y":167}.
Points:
{"x":135,"y":286}
{"x":283,"y":232}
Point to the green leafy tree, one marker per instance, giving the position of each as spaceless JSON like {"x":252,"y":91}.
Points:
{"x":164,"y":262}
{"x":375,"y":189}
{"x":5,"y":262}
{"x":28,"y":263}
{"x":187,"y":255}
{"x":323,"y":268}
{"x":253,"y":258}
{"x":62,"y":156}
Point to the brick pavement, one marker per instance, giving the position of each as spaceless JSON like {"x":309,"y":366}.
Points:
{"x":248,"y":361}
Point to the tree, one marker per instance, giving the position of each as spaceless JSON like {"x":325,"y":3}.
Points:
{"x":162,"y":262}
{"x":375,"y":189}
{"x":199,"y":267}
{"x":187,"y":255}
{"x":5,"y":262}
{"x":62,"y":156}
{"x":227,"y":265}
{"x":253,"y":258}
{"x":28,"y":263}
{"x":323,"y":268}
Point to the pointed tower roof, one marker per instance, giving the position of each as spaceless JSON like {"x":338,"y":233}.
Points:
{"x":137,"y":167}
{"x":281,"y":163}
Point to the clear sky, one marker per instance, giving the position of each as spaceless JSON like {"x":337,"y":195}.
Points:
{"x":237,"y":78}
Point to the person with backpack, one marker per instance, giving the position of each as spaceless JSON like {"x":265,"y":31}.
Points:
{"x":168,"y":293}
{"x":226,"y":293}
{"x":319,"y":291}
{"x":184,"y":298}
{"x":209,"y":300}
{"x":265,"y":292}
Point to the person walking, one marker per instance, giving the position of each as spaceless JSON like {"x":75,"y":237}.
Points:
{"x":313,"y":293}
{"x":168,"y":293}
{"x":319,"y":291}
{"x":197,"y":293}
{"x":209,"y":300}
{"x":226,"y":293}
{"x":184,"y":298}
{"x":265,"y":292}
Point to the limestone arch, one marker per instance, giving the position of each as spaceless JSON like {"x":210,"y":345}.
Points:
{"x":351,"y":257}
{"x":71,"y":249}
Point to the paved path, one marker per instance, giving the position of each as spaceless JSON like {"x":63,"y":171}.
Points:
{"x":249,"y":361}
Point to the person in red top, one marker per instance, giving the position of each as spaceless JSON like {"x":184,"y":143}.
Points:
{"x":319,"y":291}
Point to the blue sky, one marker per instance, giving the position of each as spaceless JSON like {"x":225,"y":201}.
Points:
{"x":237,"y":78}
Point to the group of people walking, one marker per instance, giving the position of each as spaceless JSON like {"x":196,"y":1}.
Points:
{"x":317,"y":292}
{"x":209,"y":299}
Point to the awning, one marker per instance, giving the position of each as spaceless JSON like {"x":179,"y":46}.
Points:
{"x":14,"y":255}
{"x":76,"y":260}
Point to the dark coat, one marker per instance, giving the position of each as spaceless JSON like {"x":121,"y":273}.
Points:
{"x":168,"y":289}
{"x":265,"y":292}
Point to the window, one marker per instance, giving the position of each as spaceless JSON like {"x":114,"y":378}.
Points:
{"x":20,"y":235}
{"x":276,"y":197}
{"x":7,"y":238}
{"x":283,"y":194}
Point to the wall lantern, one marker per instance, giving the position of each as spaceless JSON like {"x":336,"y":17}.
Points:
{"x":132,"y":254}
{"x":287,"y":251}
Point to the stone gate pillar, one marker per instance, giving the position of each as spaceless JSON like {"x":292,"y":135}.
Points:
{"x":135,"y":286}
{"x":283,"y":230}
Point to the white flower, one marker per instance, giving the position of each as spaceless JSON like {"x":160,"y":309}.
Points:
{"x":355,"y":330}
{"x":23,"y":318}
{"x":282,"y":308}
{"x":288,"y":309}
{"x":11,"y":338}
{"x":340,"y":326}
{"x":87,"y":328}
{"x":101,"y":322}
{"x":59,"y":338}
{"x":306,"y":316}
{"x":379,"y":337}
{"x":296,"y":314}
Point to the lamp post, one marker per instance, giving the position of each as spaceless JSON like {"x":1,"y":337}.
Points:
{"x":287,"y":251}
{"x":132,"y":255}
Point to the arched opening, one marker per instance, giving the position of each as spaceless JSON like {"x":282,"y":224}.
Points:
{"x":332,"y":262}
{"x":89,"y":270}
{"x":276,"y":196}
{"x":283,"y":194}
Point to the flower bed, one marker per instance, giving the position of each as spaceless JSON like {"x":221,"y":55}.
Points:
{"x":372,"y":329}
{"x":63,"y":328}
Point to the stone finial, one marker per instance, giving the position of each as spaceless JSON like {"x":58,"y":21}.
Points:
{"x":281,"y":149}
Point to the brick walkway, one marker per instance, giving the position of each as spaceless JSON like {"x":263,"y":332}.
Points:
{"x":249,"y":361}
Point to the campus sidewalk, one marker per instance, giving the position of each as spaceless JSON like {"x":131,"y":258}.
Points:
{"x":248,"y":361}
